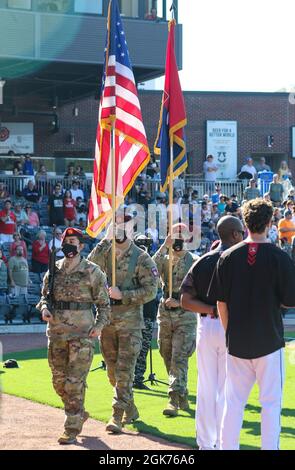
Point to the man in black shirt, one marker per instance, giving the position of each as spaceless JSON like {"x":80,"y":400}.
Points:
{"x":200,"y":296}
{"x":255,"y":278}
{"x":56,"y":206}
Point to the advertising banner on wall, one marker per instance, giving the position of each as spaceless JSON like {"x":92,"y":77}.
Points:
{"x":222,"y":144}
{"x":16,"y":136}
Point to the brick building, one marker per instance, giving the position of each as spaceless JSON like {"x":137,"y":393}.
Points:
{"x":258,"y":115}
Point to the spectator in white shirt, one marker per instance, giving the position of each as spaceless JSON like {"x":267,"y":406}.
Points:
{"x":76,"y":191}
{"x":210,"y":169}
{"x":57,"y":239}
{"x":249,"y":167}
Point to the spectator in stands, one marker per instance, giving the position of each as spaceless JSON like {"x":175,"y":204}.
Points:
{"x":33,"y":217}
{"x":286,"y":228}
{"x":276,"y":191}
{"x":40,"y":254}
{"x":222,"y":204}
{"x":152,"y":16}
{"x":76,"y":191}
{"x":3,"y":257}
{"x":31,"y":193}
{"x":58,"y":244}
{"x":194,"y":197}
{"x":249,"y":168}
{"x":266,"y":197}
{"x":251,"y":192}
{"x":7,"y":223}
{"x":28,"y":166}
{"x":41,"y":175}
{"x":205,"y":214}
{"x":20,"y":214}
{"x":70,"y":213}
{"x":18,"y":271}
{"x":153,"y":168}
{"x":262,"y":166}
{"x":3,"y":274}
{"x":3,"y":191}
{"x":16,"y":243}
{"x":179,"y":184}
{"x":210,"y":171}
{"x":273,"y":233}
{"x":79,"y":173}
{"x":215,"y":215}
{"x":216,"y":196}
{"x":232,"y":207}
{"x":284,"y":173}
{"x":17,"y":168}
{"x":70,"y":174}
{"x":56,"y":206}
{"x":81,"y":218}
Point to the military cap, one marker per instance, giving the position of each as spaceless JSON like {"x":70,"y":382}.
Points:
{"x":72,"y":232}
{"x":10,"y":364}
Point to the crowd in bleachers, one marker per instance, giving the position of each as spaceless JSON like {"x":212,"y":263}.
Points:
{"x":27,"y":217}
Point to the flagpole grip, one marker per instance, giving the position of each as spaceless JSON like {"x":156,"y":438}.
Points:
{"x":113,"y":156}
{"x":170,"y":281}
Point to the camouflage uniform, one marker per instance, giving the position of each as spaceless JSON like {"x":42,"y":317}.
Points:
{"x":70,"y":348}
{"x":177,"y":327}
{"x":121,"y":340}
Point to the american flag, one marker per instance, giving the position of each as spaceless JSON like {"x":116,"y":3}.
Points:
{"x":119,"y":107}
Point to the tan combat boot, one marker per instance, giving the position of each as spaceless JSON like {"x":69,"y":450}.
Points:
{"x":67,"y":438}
{"x":183,"y":402}
{"x":115,"y":423}
{"x":131,"y":414}
{"x":172,"y":407}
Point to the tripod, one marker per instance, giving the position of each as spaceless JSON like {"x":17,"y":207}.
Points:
{"x":102,"y":364}
{"x":152,"y":376}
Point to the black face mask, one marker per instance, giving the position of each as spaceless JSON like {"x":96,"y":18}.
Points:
{"x":178,"y":244}
{"x":70,"y":251}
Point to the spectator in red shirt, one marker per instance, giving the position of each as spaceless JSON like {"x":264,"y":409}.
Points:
{"x":18,"y":242}
{"x":7,"y":223}
{"x":33,"y":219}
{"x":70,"y":212}
{"x":40,"y":254}
{"x":3,"y":257}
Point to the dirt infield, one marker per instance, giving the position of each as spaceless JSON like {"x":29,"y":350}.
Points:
{"x":25,"y":425}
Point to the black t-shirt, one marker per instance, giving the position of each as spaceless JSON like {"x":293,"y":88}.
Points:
{"x":233,"y":208}
{"x":198,"y":282}
{"x":254,"y":280}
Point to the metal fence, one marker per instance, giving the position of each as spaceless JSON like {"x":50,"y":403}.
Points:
{"x":14,"y":185}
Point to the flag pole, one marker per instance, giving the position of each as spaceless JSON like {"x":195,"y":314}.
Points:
{"x":170,"y":272}
{"x":113,"y":157}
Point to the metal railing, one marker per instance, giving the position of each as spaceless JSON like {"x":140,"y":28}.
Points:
{"x":14,"y":185}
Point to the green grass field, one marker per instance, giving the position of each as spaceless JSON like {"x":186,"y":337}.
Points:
{"x":33,"y":381}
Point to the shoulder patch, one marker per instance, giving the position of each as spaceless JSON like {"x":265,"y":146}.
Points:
{"x":155,"y":272}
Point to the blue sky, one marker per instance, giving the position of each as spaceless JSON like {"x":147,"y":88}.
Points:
{"x":237,"y":45}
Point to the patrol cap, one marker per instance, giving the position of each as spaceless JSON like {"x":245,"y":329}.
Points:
{"x":122,"y":214}
{"x":11,"y":364}
{"x":72,"y":232}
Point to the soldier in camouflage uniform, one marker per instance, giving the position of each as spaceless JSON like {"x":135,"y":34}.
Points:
{"x":72,"y":328}
{"x":177,"y":327}
{"x":136,"y":284}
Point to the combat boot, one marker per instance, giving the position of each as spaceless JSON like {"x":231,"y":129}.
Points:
{"x":183,"y":402}
{"x":67,"y":438}
{"x":131,"y":414}
{"x":172,"y":407}
{"x":115,"y":423}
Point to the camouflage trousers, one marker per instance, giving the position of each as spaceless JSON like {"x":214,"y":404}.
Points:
{"x":147,"y":335}
{"x":177,"y":342}
{"x":70,"y":361}
{"x":120,"y":349}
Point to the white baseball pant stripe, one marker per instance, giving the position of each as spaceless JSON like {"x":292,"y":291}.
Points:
{"x":241,"y":375}
{"x":211,"y":357}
